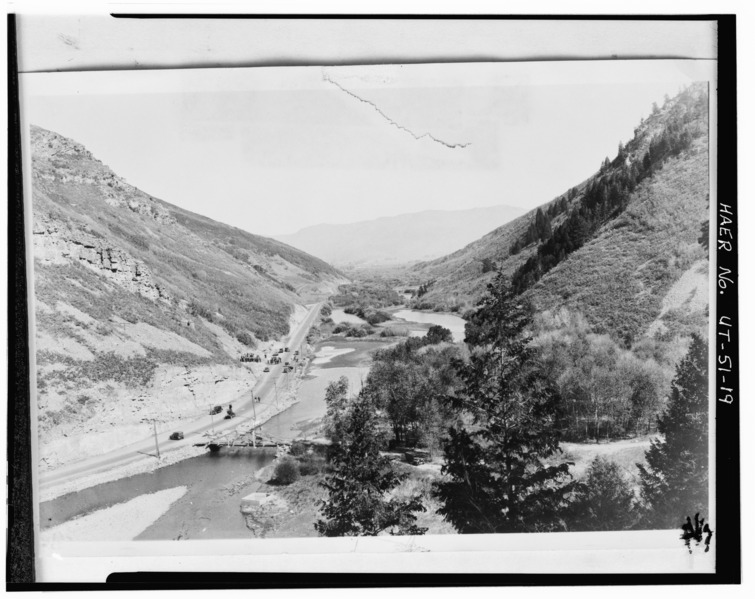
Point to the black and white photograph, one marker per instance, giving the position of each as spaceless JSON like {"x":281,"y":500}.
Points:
{"x":429,"y":307}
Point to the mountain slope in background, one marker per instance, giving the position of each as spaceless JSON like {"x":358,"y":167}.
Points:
{"x":627,"y":248}
{"x":399,"y":239}
{"x":142,"y":309}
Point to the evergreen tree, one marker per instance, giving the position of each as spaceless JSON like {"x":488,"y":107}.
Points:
{"x":497,"y":478}
{"x":337,"y":402}
{"x":358,"y":487}
{"x":604,"y":501}
{"x":542,"y":226}
{"x":675,"y":480}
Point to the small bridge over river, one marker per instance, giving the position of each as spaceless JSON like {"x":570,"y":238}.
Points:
{"x":249,"y":437}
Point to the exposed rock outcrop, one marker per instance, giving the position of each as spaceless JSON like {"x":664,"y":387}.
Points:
{"x":57,"y":243}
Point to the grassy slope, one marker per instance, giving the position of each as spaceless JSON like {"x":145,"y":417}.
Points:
{"x":84,"y":313}
{"x":620,"y":277}
{"x":187,"y":254}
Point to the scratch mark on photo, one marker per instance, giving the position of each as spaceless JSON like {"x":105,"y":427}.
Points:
{"x":416,"y":136}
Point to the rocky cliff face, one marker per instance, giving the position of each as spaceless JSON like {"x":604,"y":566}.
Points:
{"x":61,"y":160}
{"x":143,"y":309}
{"x":56,"y":243}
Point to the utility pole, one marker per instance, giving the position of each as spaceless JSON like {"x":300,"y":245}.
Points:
{"x":154,"y":428}
{"x":254,"y":419}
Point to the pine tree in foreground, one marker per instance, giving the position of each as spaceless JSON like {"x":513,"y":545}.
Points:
{"x":359,"y":502}
{"x":498,"y":476}
{"x":604,"y":500}
{"x":675,"y":479}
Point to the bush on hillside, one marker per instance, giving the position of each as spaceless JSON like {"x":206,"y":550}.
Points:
{"x":196,"y":309}
{"x":245,"y":338}
{"x":286,"y":471}
{"x":310,"y":464}
{"x":394,"y":332}
{"x":298,"y":449}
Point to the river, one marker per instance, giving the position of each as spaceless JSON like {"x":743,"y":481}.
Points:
{"x":453,"y":323}
{"x":217,"y":481}
{"x":339,"y":315}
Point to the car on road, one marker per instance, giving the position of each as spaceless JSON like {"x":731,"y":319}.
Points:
{"x":177,"y":436}
{"x":417,"y":457}
{"x":216,"y":410}
{"x":267,"y":369}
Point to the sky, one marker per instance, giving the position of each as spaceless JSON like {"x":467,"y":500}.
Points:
{"x":275,"y":150}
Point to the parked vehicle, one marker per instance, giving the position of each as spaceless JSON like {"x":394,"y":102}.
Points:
{"x":416,"y":457}
{"x":177,"y":436}
{"x":267,"y":369}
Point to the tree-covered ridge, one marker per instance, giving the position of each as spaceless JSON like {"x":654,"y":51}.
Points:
{"x":607,"y":194}
{"x":645,"y":273}
{"x":627,"y":275}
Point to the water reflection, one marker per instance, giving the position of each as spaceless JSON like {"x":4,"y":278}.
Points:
{"x":453,"y":323}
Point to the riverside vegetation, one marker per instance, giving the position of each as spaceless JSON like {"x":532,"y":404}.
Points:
{"x":586,"y":322}
{"x":497,"y":419}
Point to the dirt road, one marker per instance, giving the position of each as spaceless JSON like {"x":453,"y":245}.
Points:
{"x":144,"y":449}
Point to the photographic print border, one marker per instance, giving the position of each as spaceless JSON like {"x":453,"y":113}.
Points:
{"x":20,"y":555}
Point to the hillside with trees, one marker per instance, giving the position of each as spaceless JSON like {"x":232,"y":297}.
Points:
{"x":614,"y":248}
{"x":497,"y":414}
{"x":586,"y":324}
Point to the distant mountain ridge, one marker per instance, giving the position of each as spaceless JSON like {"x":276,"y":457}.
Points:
{"x":625,"y":248}
{"x":400,"y":239}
